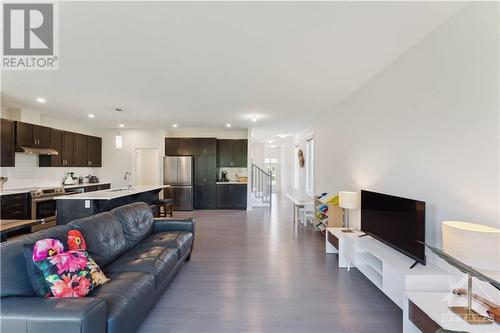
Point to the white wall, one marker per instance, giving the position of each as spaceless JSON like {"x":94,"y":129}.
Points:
{"x":207,"y":133}
{"x":26,"y":173}
{"x":426,"y":127}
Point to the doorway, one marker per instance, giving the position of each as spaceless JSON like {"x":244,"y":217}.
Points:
{"x":147,"y":166}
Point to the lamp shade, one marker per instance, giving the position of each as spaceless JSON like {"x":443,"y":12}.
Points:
{"x":473,"y":244}
{"x":348,"y":200}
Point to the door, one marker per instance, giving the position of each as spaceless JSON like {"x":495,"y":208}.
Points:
{"x":42,"y":136}
{"x":7,"y":143}
{"x":68,"y":153}
{"x":199,"y":181}
{"x":24,"y":134}
{"x":146,"y":166}
{"x":170,"y":170}
{"x":185,"y":171}
{"x":80,"y":151}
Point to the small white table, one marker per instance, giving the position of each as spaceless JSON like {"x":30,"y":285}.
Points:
{"x":297,"y":205}
{"x":434,"y":306}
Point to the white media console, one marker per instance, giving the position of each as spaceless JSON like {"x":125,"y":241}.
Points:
{"x":387,"y":268}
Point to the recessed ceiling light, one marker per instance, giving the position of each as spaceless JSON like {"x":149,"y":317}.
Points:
{"x":40,"y":100}
{"x":254,"y":120}
{"x":121,"y":125}
{"x":228,"y":125}
{"x":175,"y":125}
{"x":284,"y":135}
{"x":270,"y":141}
{"x":91,"y":116}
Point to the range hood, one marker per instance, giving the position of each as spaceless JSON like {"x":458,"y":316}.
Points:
{"x":37,"y":151}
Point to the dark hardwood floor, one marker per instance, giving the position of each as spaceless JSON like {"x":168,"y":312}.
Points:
{"x":256,"y":272}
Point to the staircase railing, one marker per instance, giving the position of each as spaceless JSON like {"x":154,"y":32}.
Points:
{"x":261,"y":184}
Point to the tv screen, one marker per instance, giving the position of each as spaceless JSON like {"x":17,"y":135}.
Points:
{"x":398,"y":222}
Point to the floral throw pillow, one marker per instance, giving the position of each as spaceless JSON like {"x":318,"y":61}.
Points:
{"x":76,"y":242}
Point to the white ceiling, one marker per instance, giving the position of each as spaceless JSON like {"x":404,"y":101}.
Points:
{"x":207,"y":64}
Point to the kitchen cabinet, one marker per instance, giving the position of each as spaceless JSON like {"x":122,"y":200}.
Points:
{"x":80,"y":150}
{"x":231,"y":196}
{"x":7,"y":141}
{"x":15,"y":207}
{"x":31,"y":135}
{"x":179,"y":147}
{"x":94,"y":151}
{"x":56,"y":142}
{"x":205,"y":164}
{"x":68,"y":154}
{"x":232,"y":153}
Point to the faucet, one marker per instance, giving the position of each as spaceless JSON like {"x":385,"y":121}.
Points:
{"x":129,"y":175}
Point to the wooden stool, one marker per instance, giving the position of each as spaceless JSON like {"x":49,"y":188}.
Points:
{"x":166,"y":204}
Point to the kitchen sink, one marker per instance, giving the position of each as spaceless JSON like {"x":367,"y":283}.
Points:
{"x":121,"y":189}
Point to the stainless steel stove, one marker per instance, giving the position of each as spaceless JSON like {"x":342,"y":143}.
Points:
{"x":43,"y":203}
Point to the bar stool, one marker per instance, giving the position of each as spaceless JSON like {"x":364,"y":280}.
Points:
{"x":163,"y":207}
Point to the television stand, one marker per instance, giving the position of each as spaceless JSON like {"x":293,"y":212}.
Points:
{"x":414,"y":264}
{"x":388,"y":269}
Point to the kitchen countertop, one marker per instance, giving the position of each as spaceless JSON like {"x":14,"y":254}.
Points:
{"x":231,"y":183}
{"x":112,"y":193}
{"x":28,"y":189}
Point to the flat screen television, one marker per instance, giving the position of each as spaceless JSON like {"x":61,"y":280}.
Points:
{"x":397,"y":222}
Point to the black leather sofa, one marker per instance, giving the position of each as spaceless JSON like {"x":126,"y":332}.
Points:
{"x":139,"y":254}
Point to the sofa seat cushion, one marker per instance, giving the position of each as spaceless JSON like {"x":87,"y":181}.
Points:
{"x":180,"y":240}
{"x":128,"y":297}
{"x":156,"y":260}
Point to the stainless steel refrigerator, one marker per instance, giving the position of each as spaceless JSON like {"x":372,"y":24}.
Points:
{"x":178,"y":172}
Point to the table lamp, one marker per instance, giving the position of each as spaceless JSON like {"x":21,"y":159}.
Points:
{"x":477,"y":248}
{"x":348,"y":200}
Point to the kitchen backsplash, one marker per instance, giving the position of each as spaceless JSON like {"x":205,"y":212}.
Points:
{"x":232,"y":172}
{"x":26,"y":173}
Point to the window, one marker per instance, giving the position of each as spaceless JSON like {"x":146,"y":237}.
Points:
{"x":296,"y":167}
{"x":310,"y":166}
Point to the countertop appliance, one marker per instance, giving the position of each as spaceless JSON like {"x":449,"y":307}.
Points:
{"x":69,"y":179}
{"x":178,"y":173}
{"x":223,"y":176}
{"x":93,"y":179}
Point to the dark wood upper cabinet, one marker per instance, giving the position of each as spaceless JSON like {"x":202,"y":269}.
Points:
{"x":41,"y":134}
{"x":68,"y":144}
{"x":232,"y":153}
{"x":7,"y":143}
{"x":80,"y":149}
{"x":205,"y":146}
{"x":24,"y":134}
{"x":179,"y":146}
{"x":94,"y":151}
{"x":32,"y":135}
{"x":240,"y":153}
{"x":56,"y":139}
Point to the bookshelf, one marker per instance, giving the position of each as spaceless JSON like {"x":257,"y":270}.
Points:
{"x":327,"y":212}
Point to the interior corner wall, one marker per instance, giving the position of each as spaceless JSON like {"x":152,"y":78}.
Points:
{"x":426,"y":127}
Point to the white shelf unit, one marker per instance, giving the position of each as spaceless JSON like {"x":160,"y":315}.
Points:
{"x":385,"y":267}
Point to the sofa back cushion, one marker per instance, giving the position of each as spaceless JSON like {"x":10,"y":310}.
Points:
{"x":137,"y":221}
{"x":104,"y":236}
{"x":13,"y":273}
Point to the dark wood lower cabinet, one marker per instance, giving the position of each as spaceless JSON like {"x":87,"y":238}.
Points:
{"x":15,"y":207}
{"x":231,"y":196}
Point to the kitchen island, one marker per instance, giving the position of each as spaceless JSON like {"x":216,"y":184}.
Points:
{"x":77,"y":206}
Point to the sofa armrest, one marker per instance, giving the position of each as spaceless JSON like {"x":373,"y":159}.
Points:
{"x":164,"y":224}
{"x":48,"y":315}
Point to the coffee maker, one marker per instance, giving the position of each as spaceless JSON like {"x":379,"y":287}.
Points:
{"x":223,"y":176}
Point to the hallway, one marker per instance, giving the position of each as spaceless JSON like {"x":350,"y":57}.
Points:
{"x":255,"y":272}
